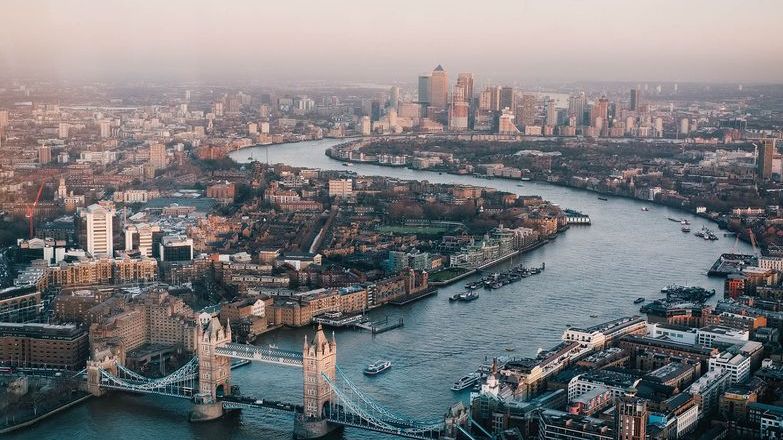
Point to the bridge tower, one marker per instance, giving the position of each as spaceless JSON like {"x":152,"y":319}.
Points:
{"x":214,"y":372}
{"x":319,"y":358}
{"x":102,"y":361}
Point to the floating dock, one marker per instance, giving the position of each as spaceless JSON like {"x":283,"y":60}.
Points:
{"x":381,"y":326}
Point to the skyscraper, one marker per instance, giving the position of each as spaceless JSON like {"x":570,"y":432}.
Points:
{"x":764,"y":158}
{"x":507,"y":98}
{"x":439,"y":88}
{"x":425,"y":85}
{"x":551,"y":113}
{"x":458,"y":113}
{"x":576,"y":107}
{"x":634,"y":106}
{"x":526,"y":114}
{"x":465,"y":82}
{"x":158,"y":156}
{"x":632,"y":414}
{"x":99,"y":228}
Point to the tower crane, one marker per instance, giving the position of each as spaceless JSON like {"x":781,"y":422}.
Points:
{"x":30,"y":212}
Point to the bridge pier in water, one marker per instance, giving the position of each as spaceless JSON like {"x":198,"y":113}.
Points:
{"x":319,"y":360}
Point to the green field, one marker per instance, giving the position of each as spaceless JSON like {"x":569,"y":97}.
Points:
{"x":447,"y":274}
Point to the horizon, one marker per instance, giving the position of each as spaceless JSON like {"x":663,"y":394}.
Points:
{"x":548,"y":41}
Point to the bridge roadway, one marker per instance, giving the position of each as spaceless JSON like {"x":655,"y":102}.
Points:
{"x":244,"y":402}
{"x":335,"y":414}
{"x":260,"y":354}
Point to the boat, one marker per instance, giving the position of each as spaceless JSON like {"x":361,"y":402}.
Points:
{"x":466,"y":382}
{"x":638,"y":300}
{"x":645,"y":209}
{"x":672,"y":219}
{"x":685,"y":222}
{"x":453,"y":298}
{"x":520,"y":185}
{"x":377,"y":367}
{"x":685,"y":228}
{"x":603,"y":198}
{"x":593,"y":316}
{"x":468,"y":296}
{"x":509,"y":349}
{"x":346,"y":164}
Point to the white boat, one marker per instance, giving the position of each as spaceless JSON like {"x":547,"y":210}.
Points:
{"x":466,"y":382}
{"x":377,"y":367}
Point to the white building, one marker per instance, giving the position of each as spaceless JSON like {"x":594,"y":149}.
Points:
{"x":676,"y":333}
{"x":99,"y":229}
{"x":737,"y":365}
{"x":708,"y":389}
{"x":706,"y":336}
{"x":340,"y":187}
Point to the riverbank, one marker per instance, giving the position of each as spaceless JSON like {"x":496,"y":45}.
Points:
{"x":328,"y":153}
{"x":37,"y":419}
{"x":495,"y":262}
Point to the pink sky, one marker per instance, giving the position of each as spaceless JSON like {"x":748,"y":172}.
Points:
{"x":667,"y":40}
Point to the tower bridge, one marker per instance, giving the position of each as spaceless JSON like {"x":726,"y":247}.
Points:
{"x":329,"y":399}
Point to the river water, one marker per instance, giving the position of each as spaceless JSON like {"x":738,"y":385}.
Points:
{"x":592,"y":270}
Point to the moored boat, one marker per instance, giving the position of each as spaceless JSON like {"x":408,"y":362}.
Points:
{"x":466,"y":382}
{"x":638,"y":300}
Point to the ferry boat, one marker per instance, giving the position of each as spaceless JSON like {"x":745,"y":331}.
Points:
{"x":377,"y":367}
{"x":466,"y":382}
{"x":638,"y":300}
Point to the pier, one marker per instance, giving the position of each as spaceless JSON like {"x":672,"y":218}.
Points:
{"x":381,"y":326}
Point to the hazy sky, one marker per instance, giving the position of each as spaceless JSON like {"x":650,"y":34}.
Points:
{"x":634,"y":40}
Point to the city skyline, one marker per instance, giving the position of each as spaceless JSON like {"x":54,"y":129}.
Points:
{"x":554,"y":41}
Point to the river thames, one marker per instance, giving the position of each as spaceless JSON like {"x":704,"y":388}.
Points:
{"x":593,"y":270}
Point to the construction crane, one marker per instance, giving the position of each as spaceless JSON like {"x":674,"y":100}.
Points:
{"x":30,"y":214}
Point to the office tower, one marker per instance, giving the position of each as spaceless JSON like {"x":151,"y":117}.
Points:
{"x":105,"y":129}
{"x":764,"y":158}
{"x":551,"y":113}
{"x":576,"y":107}
{"x":632,"y":414}
{"x":506,"y":123}
{"x":599,"y":116}
{"x":187,"y":95}
{"x":458,"y":114}
{"x":507,"y":98}
{"x":439,"y":88}
{"x":139,"y":237}
{"x":394,"y":97}
{"x":252,"y":128}
{"x":375,"y":110}
{"x":99,"y":228}
{"x":465,"y":82}
{"x":158,"y":156}
{"x":62,"y":130}
{"x":489,"y":99}
{"x":44,"y":154}
{"x":365,"y":126}
{"x":3,"y":119}
{"x":526,"y":113}
{"x":217,"y":108}
{"x":635,"y":103}
{"x":425,"y":85}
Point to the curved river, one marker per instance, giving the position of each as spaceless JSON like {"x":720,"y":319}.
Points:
{"x":597,"y":270}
